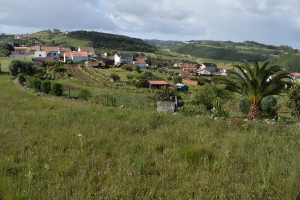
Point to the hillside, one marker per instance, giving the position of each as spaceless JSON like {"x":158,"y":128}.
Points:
{"x":86,"y":38}
{"x":290,"y":61}
{"x":111,"y":41}
{"x":224,"y":50}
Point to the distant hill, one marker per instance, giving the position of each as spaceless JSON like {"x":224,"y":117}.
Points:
{"x":111,"y":41}
{"x":224,"y":50}
{"x":290,"y":62}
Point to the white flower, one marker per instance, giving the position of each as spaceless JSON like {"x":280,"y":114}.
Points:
{"x":79,"y":135}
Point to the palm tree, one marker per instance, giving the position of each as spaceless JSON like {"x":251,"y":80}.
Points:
{"x":255,"y":83}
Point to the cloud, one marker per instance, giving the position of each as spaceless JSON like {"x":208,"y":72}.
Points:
{"x":266,"y":21}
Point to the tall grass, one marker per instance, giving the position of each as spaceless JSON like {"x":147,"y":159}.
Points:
{"x":64,"y":150}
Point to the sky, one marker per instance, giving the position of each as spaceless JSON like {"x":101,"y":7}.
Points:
{"x":273,"y":22}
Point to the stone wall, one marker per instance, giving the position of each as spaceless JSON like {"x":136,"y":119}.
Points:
{"x":165,"y":106}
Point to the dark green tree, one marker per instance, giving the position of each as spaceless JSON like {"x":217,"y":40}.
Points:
{"x":21,"y":66}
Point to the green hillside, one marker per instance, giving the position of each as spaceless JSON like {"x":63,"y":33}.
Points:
{"x":290,"y":62}
{"x":95,"y":39}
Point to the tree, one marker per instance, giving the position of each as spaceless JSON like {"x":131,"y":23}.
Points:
{"x":4,"y":53}
{"x":178,"y":79}
{"x":84,"y":94}
{"x":21,"y":66}
{"x":56,"y":89}
{"x":255,"y":83}
{"x":7,"y":46}
{"x":114,"y":76}
{"x":147,"y":73}
{"x":136,"y":68}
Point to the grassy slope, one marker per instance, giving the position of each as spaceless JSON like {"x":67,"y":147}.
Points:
{"x":140,"y":154}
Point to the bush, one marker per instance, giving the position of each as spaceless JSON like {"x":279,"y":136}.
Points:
{"x":129,"y":76}
{"x":147,"y":73}
{"x":244,"y":105}
{"x":56,"y":89}
{"x":193,"y":79}
{"x":126,"y":67}
{"x":178,"y":79}
{"x":114,"y":76}
{"x":140,"y":76}
{"x":201,"y":80}
{"x":160,"y":70}
{"x":21,"y":77}
{"x":269,"y":105}
{"x":46,"y":87}
{"x":35,"y":83}
{"x":154,"y":68}
{"x":39,"y":70}
{"x":141,"y":83}
{"x":78,"y":62}
{"x":21,"y":66}
{"x":169,"y":78}
{"x":136,"y":68}
{"x":84,"y":94}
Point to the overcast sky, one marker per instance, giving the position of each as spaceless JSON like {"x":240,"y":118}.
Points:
{"x":274,"y":22}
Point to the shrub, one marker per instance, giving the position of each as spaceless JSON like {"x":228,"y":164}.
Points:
{"x":141,"y":83}
{"x":147,"y":73}
{"x":129,"y":76}
{"x":21,"y":66}
{"x":21,"y":77}
{"x":46,"y":87}
{"x":56,"y":89}
{"x":201,"y":80}
{"x":78,"y":62}
{"x":269,"y":105}
{"x":140,"y":76}
{"x":169,"y":78}
{"x":193,"y":79}
{"x":178,"y":79}
{"x":160,"y":70}
{"x":243,"y":105}
{"x":84,"y":94}
{"x":136,"y":68}
{"x":154,"y":68}
{"x":39,"y":70}
{"x":35,"y":83}
{"x":114,"y":76}
{"x":126,"y":67}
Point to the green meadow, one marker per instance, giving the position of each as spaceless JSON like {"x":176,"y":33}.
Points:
{"x":55,"y":149}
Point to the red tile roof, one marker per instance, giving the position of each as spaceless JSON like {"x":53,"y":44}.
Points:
{"x":203,"y":69}
{"x":49,"y":49}
{"x":295,"y":74}
{"x":90,"y":54}
{"x":68,"y":54}
{"x":93,"y":63}
{"x":158,"y":82}
{"x":86,"y":49}
{"x":139,"y":61}
{"x":80,"y":54}
{"x":226,"y":68}
{"x":14,"y":53}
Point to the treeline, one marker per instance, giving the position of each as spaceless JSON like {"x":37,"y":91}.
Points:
{"x":216,"y":53}
{"x":111,"y":41}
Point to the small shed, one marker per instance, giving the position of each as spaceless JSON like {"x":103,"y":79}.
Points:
{"x":157,"y":84}
{"x":182,"y":88}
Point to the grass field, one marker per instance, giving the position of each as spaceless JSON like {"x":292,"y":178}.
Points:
{"x":52,"y":149}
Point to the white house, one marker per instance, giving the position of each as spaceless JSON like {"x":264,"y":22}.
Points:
{"x":211,"y":66}
{"x":203,"y":71}
{"x":141,"y":62}
{"x":123,"y":58}
{"x":40,"y":54}
{"x":86,"y":49}
{"x":75,"y":56}
{"x":223,"y":70}
{"x":51,"y":52}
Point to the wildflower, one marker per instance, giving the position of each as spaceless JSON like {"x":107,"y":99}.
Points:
{"x":139,"y":172}
{"x":99,"y":173}
{"x":88,"y":196}
{"x":67,"y":171}
{"x":80,"y":170}
{"x":67,"y":190}
{"x":165,"y":162}
{"x":79,"y":135}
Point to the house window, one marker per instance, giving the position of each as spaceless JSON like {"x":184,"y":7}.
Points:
{"x":40,"y":55}
{"x":54,"y":54}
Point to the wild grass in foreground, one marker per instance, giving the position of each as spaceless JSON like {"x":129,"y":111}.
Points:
{"x":61,"y":150}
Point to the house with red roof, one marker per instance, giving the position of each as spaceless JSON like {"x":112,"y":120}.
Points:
{"x":142,"y":62}
{"x":223,"y":70}
{"x":21,"y":54}
{"x":296,"y":76}
{"x":86,"y":49}
{"x":75,"y":56}
{"x":203,"y":71}
{"x":156,"y":84}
